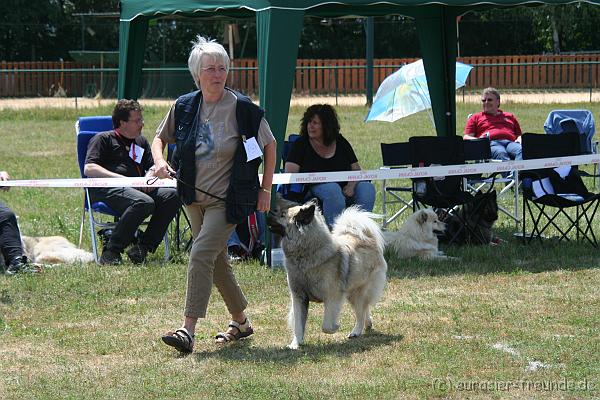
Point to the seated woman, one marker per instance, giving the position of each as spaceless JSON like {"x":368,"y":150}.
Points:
{"x":321,"y":148}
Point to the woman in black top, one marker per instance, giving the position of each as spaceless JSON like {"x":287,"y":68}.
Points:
{"x":321,"y":148}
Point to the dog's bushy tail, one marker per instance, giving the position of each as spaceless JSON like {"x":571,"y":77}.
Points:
{"x":356,"y":222}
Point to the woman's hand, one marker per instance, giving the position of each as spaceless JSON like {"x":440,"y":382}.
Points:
{"x":162,"y":169}
{"x":348,"y":190}
{"x":264,"y":201}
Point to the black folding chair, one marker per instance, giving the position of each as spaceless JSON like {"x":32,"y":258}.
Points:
{"x":478,"y":150}
{"x":549,"y":193}
{"x":445,"y":192}
{"x":395,"y":155}
{"x":181,"y":227}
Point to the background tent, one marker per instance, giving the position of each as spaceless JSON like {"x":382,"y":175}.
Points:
{"x":279,"y":23}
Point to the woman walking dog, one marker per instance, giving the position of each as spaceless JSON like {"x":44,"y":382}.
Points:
{"x":217,"y":132}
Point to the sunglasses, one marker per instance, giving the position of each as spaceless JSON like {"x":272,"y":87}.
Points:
{"x":487,"y":100}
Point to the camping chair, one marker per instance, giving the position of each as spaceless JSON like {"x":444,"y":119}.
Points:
{"x":86,"y":128}
{"x":578,"y":121}
{"x":478,"y":150}
{"x":181,"y":227}
{"x":447,"y":192}
{"x":549,"y":193}
{"x":395,"y":155}
{"x":292,"y":191}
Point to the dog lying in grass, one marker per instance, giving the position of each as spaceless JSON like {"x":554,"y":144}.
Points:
{"x":418,"y":236}
{"x":479,"y":215}
{"x":329,"y":267}
{"x":53,"y":250}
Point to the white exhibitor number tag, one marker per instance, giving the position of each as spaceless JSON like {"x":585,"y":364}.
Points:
{"x":136,"y":153}
{"x":252,"y":149}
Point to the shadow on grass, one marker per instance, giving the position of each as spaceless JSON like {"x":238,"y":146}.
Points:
{"x":310,"y":351}
{"x":510,"y":257}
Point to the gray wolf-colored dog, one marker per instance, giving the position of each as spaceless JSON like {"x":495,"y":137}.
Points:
{"x":330,"y":266}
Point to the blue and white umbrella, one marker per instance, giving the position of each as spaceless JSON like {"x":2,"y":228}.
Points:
{"x":405,"y":92}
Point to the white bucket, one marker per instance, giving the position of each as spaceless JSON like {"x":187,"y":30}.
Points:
{"x":277,"y":258}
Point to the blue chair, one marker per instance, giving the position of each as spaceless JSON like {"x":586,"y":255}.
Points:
{"x":293,"y":191}
{"x":86,"y":128}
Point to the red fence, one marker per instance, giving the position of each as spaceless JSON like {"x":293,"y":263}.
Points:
{"x":18,"y":80}
{"x":334,"y":76}
{"x":535,"y":72}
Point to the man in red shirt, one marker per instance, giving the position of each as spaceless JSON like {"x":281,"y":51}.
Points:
{"x":500,"y":127}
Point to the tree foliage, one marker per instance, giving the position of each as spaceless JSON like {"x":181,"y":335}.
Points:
{"x":48,"y":29}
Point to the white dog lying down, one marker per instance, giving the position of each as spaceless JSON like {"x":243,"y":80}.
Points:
{"x":417,"y":237}
{"x":54,"y":250}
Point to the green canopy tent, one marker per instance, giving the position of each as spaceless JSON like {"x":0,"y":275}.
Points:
{"x":279,"y":23}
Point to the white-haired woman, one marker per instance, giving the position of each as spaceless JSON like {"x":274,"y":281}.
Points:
{"x":217,"y":132}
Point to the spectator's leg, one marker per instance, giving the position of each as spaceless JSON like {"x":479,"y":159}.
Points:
{"x":364,"y":195}
{"x":10,"y":237}
{"x":166,"y":205}
{"x":332,"y":198}
{"x":133,"y":205}
{"x":499,"y":152}
{"x":514,"y":150}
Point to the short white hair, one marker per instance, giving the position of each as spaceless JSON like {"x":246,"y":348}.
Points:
{"x":205,"y":47}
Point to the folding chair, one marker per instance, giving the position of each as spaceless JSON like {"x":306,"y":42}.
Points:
{"x":442,"y":192}
{"x":479,"y":150}
{"x":549,"y":193}
{"x":181,"y":227}
{"x":293,"y":191}
{"x":578,"y":121}
{"x":86,"y":128}
{"x":395,"y":155}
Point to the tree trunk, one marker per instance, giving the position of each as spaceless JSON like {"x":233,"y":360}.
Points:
{"x":555,"y":34}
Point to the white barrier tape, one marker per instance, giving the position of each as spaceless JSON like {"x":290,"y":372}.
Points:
{"x":342,"y":176}
{"x":92,"y":182}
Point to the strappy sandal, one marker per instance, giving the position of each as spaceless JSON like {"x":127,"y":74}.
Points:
{"x":181,"y":340}
{"x":242,"y":330}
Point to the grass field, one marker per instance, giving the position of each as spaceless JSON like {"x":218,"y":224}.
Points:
{"x":510,"y":321}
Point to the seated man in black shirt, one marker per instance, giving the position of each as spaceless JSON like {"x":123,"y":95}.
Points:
{"x":124,"y":152}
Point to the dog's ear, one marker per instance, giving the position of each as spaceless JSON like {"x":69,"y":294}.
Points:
{"x":306,"y":214}
{"x":421,"y":217}
{"x":314,"y":201}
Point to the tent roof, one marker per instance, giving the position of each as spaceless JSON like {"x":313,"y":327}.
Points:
{"x":279,"y":26}
{"x":130,"y":9}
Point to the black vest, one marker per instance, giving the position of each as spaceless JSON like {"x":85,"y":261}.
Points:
{"x":242,"y":193}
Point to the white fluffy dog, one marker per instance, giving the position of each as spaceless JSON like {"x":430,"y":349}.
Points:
{"x":54,"y":250}
{"x":417,"y":237}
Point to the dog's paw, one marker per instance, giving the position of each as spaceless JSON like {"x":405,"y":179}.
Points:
{"x":330,"y":329}
{"x":353,"y":335}
{"x":293,"y":346}
{"x":369,"y":324}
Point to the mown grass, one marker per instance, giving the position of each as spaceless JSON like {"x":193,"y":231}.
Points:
{"x":442,"y":330}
